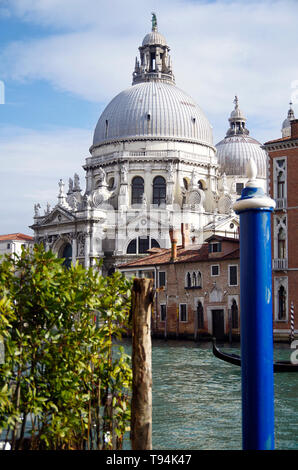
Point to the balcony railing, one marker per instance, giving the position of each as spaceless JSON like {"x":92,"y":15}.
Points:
{"x":280,"y":264}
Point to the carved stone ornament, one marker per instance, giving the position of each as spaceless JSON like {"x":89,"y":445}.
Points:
{"x":98,"y":198}
{"x":81,"y":243}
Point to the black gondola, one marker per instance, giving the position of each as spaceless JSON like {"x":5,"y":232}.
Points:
{"x":279,"y":366}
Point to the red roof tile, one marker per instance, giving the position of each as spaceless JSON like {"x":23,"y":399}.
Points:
{"x":184,"y":255}
{"x":16,"y":236}
{"x":282,"y":139}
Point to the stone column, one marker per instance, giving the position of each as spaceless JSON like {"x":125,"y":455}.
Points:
{"x":87,"y":250}
{"x":74,"y":251}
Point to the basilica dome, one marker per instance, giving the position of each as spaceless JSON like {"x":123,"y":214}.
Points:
{"x":237,"y":148}
{"x":153,"y":108}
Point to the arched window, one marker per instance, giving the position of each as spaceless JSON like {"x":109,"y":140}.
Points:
{"x":281,"y":244}
{"x":199,"y":279}
{"x":140,"y":245}
{"x":67,"y":255}
{"x":282,"y":303}
{"x":188,"y":280}
{"x":234,"y":312}
{"x":132,"y":247}
{"x":137,"y":190}
{"x":281,"y":184}
{"x":194,"y":279}
{"x":159,"y":190}
{"x":111,"y":183}
{"x":200,"y":314}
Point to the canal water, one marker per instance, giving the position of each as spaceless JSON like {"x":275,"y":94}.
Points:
{"x":197,"y":398}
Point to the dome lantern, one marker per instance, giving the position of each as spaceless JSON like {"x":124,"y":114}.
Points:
{"x":238,"y":147}
{"x":286,"y":125}
{"x":237,"y":121}
{"x":155,"y":62}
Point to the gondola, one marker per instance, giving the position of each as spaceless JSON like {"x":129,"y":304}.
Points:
{"x":279,"y":366}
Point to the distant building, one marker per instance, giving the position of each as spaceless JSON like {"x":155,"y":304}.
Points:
{"x":13,"y":242}
{"x":283,"y":165}
{"x":197,"y":287}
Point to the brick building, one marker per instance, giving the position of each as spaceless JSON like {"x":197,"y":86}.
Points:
{"x":197,"y":287}
{"x":283,"y":171}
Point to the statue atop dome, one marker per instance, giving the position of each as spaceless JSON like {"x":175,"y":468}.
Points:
{"x":154,"y":22}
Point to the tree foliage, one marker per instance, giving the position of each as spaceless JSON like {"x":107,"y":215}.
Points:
{"x":64,"y":384}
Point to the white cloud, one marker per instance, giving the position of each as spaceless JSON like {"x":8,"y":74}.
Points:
{"x":32,"y":163}
{"x":218,"y":49}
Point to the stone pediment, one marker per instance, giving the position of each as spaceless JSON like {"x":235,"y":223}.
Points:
{"x":222,"y":223}
{"x":58,"y":215}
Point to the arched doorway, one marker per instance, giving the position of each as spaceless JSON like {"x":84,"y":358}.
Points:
{"x":66,"y":253}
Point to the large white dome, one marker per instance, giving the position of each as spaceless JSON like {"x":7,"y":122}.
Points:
{"x":153,"y":110}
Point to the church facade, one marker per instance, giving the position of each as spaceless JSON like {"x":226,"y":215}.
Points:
{"x":152,"y":166}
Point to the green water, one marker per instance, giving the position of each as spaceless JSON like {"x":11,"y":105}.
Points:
{"x":197,"y":399}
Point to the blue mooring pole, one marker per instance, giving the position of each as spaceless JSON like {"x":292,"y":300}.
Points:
{"x":256,"y":332}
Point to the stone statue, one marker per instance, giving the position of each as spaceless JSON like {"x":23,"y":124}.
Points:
{"x":101,"y":176}
{"x":76,"y":182}
{"x":124,"y":171}
{"x":48,"y":209}
{"x":154,"y":21}
{"x":70,"y":185}
{"x":61,"y":187}
{"x":36,"y":209}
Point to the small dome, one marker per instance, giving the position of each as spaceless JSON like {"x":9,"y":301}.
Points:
{"x":237,"y":148}
{"x":286,"y":123}
{"x":154,"y":38}
{"x":153,"y":110}
{"x":235,"y":152}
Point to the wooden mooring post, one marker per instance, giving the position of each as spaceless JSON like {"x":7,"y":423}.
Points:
{"x":141,"y":405}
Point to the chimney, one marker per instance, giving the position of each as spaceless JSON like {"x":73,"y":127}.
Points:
{"x":173,"y":238}
{"x":294,"y":129}
{"x":185,"y":235}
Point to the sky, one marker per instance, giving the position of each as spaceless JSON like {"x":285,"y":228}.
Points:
{"x":62,"y":61}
